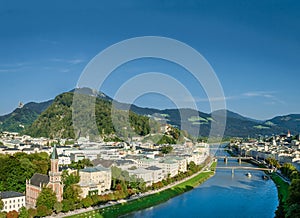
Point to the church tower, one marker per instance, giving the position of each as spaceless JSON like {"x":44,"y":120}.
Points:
{"x":55,"y":182}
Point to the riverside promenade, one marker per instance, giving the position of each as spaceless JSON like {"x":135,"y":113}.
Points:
{"x":90,"y":209}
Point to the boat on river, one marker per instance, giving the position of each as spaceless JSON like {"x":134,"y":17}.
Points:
{"x":248,"y":174}
{"x":265,"y":177}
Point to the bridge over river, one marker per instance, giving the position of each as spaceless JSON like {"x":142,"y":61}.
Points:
{"x":239,"y":159}
{"x":244,"y":168}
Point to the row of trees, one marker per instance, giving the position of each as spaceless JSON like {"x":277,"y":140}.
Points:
{"x":290,"y":171}
{"x":291,"y":207}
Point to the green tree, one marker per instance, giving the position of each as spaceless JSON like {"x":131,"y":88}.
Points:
{"x":72,"y":193}
{"x":46,"y":198}
{"x":273,"y":162}
{"x":290,"y":171}
{"x":2,"y":214}
{"x":293,"y":211}
{"x":67,"y":205}
{"x":192,"y":167}
{"x":69,"y":179}
{"x":32,"y":212}
{"x":87,"y":202}
{"x":23,"y":213}
{"x":166,"y":140}
{"x":166,"y":149}
{"x":294,"y":192}
{"x":42,"y":211}
{"x":58,"y":207}
{"x":81,"y":164}
{"x":1,"y":204}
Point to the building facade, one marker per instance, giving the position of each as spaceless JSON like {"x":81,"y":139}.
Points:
{"x":38,"y":181}
{"x":94,"y":180}
{"x":12,"y":200}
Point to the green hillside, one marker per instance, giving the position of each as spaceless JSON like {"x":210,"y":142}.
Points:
{"x":23,"y":117}
{"x":56,"y":120}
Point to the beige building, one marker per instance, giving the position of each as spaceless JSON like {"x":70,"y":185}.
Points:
{"x":94,"y":180}
{"x":170,"y":167}
{"x":12,"y":200}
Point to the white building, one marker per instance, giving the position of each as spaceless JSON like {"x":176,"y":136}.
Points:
{"x":170,"y":167}
{"x":146,"y":162}
{"x":142,"y":173}
{"x":12,"y":200}
{"x":64,"y":160}
{"x":94,"y":180}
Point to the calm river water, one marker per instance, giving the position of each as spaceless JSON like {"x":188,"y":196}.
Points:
{"x":223,"y":195}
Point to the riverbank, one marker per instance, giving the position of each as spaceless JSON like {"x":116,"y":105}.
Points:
{"x":151,"y":199}
{"x":281,"y":184}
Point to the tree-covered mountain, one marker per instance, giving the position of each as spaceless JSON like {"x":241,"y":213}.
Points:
{"x":22,"y":117}
{"x":54,"y":119}
{"x":57,"y":120}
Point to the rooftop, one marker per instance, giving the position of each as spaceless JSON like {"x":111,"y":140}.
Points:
{"x":10,"y":194}
{"x":94,"y":169}
{"x":38,"y":178}
{"x":153,"y":168}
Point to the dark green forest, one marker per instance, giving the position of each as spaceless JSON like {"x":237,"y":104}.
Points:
{"x":17,"y":168}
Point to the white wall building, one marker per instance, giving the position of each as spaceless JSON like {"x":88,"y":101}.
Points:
{"x":12,"y":200}
{"x":94,"y":180}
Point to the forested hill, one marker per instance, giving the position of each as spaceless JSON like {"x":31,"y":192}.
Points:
{"x":22,"y":117}
{"x":56,"y":121}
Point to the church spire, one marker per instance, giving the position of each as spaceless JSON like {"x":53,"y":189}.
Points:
{"x":54,"y":155}
{"x":54,"y":160}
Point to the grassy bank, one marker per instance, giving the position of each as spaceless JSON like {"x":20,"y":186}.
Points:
{"x":150,"y":200}
{"x":282,"y":187}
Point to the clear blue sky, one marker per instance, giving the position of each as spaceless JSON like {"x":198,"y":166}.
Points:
{"x":253,"y":46}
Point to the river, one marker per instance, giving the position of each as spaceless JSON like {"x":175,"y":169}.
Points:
{"x":223,"y":195}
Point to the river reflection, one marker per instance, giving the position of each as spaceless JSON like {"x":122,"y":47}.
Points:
{"x":224,"y":195}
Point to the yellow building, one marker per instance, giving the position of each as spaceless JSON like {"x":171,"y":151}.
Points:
{"x":94,"y":180}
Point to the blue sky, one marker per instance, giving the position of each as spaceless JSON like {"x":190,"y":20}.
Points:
{"x":253,"y":47}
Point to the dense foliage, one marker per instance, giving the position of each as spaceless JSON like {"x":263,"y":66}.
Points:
{"x":24,"y":166}
{"x":290,"y":171}
{"x":166,"y":149}
{"x":293,"y":200}
{"x":289,"y":206}
{"x":81,"y":164}
{"x":46,"y":198}
{"x":273,"y":162}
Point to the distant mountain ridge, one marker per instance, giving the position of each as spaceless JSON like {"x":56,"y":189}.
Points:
{"x":236,"y":124}
{"x":23,"y":117}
